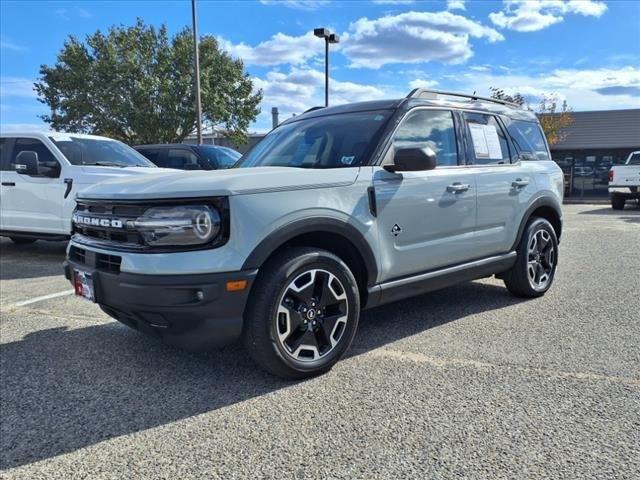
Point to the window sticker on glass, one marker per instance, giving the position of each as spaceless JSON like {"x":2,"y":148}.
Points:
{"x":486,"y":143}
{"x":480,"y":146}
{"x":347,"y":160}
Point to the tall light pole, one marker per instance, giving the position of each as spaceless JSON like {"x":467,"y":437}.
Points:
{"x":197,"y":71}
{"x":328,"y":38}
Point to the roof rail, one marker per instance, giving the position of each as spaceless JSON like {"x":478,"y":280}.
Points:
{"x":435,"y":94}
{"x":313,"y":108}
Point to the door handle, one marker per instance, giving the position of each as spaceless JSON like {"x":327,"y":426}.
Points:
{"x":519,"y":183}
{"x":458,"y":187}
{"x":8,"y":184}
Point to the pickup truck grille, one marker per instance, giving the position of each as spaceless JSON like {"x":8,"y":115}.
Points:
{"x":98,"y":222}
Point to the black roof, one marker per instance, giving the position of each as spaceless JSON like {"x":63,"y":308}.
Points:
{"x":467,"y":103}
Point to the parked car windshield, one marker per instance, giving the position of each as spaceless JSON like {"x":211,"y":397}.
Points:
{"x":220,"y":157}
{"x":95,"y":151}
{"x":332,"y":141}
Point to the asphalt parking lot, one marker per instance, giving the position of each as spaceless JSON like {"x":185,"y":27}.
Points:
{"x":468,"y":382}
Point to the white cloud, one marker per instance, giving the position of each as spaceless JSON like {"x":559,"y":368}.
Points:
{"x":455,"y":5}
{"x":302,"y":88}
{"x":595,"y":89}
{"x":533,"y":15}
{"x":24,"y":127}
{"x":422,"y":83}
{"x":297,"y":4}
{"x":279,"y":49}
{"x":16,"y":87}
{"x":413,"y":37}
{"x":6,"y":45}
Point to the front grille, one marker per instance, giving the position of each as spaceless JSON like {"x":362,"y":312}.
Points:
{"x":109,"y":212}
{"x":99,"y":261}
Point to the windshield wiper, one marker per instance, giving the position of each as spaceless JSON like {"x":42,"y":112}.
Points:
{"x":105,"y":164}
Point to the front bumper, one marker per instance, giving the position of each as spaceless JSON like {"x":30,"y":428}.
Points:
{"x":195,"y":312}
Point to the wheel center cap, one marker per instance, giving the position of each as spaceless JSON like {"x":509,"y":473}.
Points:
{"x":311,"y":314}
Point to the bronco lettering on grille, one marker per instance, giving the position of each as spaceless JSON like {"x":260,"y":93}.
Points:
{"x":97,"y":222}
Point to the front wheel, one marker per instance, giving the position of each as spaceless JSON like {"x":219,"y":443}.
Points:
{"x":537,"y":260}
{"x":617,"y":202}
{"x":302,"y":314}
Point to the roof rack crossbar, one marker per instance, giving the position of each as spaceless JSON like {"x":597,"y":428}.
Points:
{"x":419,"y":92}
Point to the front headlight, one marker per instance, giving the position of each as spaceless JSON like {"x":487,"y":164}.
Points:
{"x":179,"y":225}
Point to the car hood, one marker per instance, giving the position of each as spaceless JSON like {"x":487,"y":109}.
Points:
{"x":235,"y":181}
{"x":94,"y":174}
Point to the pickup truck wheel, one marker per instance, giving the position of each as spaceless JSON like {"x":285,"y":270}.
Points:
{"x":537,"y":260}
{"x":617,"y":202}
{"x":22,"y":240}
{"x":302,"y":314}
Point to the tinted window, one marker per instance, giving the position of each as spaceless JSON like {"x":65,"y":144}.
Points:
{"x":429,"y":128}
{"x":154,"y":155}
{"x":528,"y":139}
{"x":487,"y":142}
{"x":333,"y":141}
{"x":97,"y":151}
{"x":220,"y":157}
{"x":2,"y":153}
{"x":635,"y":159}
{"x":30,"y":144}
{"x":182,"y":159}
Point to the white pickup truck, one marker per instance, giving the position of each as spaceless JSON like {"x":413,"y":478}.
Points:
{"x":624,"y":181}
{"x":40,"y":174}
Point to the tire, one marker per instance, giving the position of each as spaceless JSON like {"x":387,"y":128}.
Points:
{"x":22,"y":240}
{"x":526,"y":278}
{"x":617,"y":202}
{"x":303,"y":298}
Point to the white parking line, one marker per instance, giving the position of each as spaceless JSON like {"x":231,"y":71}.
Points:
{"x":42,"y":298}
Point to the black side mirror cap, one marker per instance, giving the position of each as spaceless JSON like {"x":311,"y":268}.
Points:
{"x":412,"y":160}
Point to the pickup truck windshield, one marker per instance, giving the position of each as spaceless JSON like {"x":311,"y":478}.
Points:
{"x":635,"y":159}
{"x":332,"y":141}
{"x":104,"y":153}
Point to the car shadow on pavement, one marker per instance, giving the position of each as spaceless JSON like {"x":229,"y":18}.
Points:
{"x":31,"y":261}
{"x":62,"y":390}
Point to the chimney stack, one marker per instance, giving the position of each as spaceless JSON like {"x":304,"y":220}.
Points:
{"x":274,"y":117}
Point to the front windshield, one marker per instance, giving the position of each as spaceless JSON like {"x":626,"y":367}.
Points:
{"x":333,"y":141}
{"x":221,"y":157}
{"x":101,"y":152}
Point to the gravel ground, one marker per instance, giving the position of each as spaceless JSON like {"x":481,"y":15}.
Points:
{"x":468,"y":382}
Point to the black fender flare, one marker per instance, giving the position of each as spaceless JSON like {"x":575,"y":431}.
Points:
{"x":544,"y":201}
{"x":280,"y":236}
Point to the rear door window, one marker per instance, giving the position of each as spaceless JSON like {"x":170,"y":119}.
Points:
{"x":487,"y":143}
{"x":153,"y":154}
{"x":528,"y":140}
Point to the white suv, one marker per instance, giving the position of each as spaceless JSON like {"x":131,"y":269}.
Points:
{"x":41,"y":173}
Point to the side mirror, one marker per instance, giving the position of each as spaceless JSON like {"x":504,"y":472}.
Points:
{"x":412,"y":160}
{"x":27,"y":163}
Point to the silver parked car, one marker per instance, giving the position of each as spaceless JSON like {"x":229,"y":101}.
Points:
{"x":336,"y":210}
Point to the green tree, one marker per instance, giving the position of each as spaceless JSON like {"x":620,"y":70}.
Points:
{"x":554,"y":118}
{"x":137,"y":85}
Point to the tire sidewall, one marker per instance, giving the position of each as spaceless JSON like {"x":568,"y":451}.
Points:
{"x":281,"y":280}
{"x":534,"y":226}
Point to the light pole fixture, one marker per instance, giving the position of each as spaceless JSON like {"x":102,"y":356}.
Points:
{"x":328,"y":38}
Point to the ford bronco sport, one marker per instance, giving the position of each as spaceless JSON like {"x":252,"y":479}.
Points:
{"x":345,"y":208}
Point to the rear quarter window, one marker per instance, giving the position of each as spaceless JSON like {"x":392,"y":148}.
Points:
{"x":528,"y":139}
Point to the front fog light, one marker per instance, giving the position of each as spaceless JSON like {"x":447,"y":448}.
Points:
{"x":179,"y":225}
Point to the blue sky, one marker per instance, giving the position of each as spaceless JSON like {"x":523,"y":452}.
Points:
{"x":584,"y":51}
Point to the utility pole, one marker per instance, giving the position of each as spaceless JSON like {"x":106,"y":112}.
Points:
{"x":197,"y":71}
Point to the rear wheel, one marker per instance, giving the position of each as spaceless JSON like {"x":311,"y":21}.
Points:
{"x":22,"y":240}
{"x":537,"y":260}
{"x":303,"y":313}
{"x":617,"y":202}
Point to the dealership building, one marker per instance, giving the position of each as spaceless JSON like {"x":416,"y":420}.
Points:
{"x":593,"y":143}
